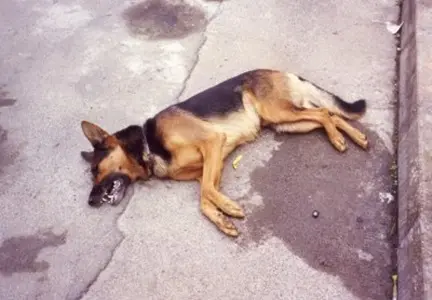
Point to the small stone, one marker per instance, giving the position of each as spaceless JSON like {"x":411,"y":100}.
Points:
{"x":315,"y":214}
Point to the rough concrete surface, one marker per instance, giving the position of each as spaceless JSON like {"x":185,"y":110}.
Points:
{"x":425,"y":136}
{"x":118,"y":62}
{"x":415,"y":189}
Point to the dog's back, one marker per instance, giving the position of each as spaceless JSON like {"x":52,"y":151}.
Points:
{"x":241,"y":105}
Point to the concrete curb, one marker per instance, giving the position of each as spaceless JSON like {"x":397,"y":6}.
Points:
{"x":410,"y":259}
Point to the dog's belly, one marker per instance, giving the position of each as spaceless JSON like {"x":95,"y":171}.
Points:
{"x":239,"y":128}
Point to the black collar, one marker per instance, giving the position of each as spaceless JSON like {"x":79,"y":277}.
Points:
{"x":147,"y":156}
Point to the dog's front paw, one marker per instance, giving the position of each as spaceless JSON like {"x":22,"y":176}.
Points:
{"x":228,"y":227}
{"x":231,"y":208}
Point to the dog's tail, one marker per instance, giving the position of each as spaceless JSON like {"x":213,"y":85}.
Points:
{"x":315,"y":96}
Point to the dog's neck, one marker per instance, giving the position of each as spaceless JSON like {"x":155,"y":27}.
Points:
{"x":147,"y":156}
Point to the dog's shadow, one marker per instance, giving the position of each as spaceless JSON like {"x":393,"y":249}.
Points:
{"x":352,"y":236}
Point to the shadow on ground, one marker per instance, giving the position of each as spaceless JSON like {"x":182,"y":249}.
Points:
{"x":353,"y":234}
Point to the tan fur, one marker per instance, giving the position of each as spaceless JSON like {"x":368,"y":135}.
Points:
{"x":118,"y":161}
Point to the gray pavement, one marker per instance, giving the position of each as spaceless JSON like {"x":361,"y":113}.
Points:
{"x":118,"y":62}
{"x":425,"y":138}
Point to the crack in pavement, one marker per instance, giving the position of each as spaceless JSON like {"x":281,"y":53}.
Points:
{"x":113,"y":251}
{"x":197,"y":53}
{"x":84,"y":291}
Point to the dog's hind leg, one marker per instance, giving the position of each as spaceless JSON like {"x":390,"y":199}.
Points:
{"x":306,"y":126}
{"x":279,"y":111}
{"x":297,"y":127}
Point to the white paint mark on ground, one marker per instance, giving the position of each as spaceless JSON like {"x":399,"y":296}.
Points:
{"x":363,"y":255}
{"x":64,"y":17}
{"x":136,"y":64}
{"x":172,"y":59}
{"x":386,"y":197}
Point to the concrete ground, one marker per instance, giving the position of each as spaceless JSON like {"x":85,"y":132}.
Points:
{"x":425,"y":145}
{"x":116,"y":63}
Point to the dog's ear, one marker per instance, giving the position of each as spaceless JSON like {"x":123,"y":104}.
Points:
{"x":87,"y":155}
{"x":94,"y":133}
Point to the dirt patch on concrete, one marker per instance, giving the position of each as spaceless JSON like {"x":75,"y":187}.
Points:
{"x":160,"y":19}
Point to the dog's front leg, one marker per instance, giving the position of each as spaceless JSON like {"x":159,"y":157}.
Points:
{"x":211,"y":150}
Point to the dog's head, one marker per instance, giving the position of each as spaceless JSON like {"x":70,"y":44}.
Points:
{"x":116,"y":162}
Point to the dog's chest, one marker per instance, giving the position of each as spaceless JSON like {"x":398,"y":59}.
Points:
{"x":160,"y":167}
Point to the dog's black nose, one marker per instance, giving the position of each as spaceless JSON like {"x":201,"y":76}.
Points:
{"x":95,"y":203}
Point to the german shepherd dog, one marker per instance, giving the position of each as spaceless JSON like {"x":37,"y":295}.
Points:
{"x":191,"y":139}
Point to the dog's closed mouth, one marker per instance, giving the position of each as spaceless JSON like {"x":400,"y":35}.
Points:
{"x":111,"y":190}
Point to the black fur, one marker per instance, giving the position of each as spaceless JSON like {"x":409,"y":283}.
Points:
{"x":358,"y":106}
{"x":132,"y":139}
{"x":154,"y":141}
{"x":218,"y":100}
{"x":99,"y":154}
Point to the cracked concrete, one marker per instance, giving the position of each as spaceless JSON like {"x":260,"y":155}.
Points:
{"x":197,"y":53}
{"x":82,"y":293}
{"x":72,"y":60}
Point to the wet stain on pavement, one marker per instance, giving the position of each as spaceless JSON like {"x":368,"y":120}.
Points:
{"x":3,"y":135}
{"x":5,"y":157}
{"x":9,"y":152}
{"x":5,"y":99}
{"x":162,"y":19}
{"x":18,"y":254}
{"x":353,"y":235}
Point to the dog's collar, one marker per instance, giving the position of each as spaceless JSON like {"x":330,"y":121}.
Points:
{"x":147,"y":156}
